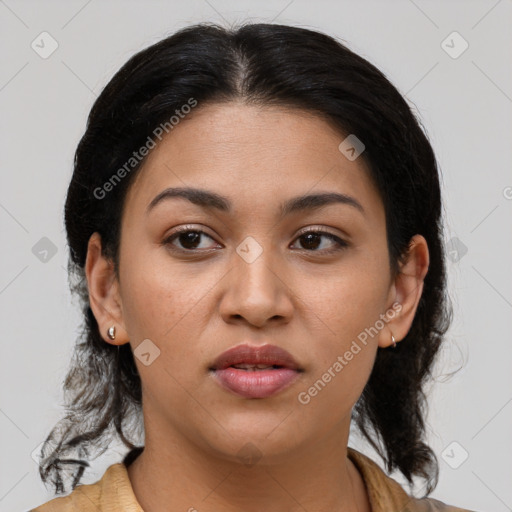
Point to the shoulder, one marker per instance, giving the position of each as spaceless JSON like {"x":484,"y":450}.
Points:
{"x":112,"y":492}
{"x":83,"y":497}
{"x":386,"y":494}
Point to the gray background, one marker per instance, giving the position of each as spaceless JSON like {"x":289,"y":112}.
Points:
{"x":465,"y":103}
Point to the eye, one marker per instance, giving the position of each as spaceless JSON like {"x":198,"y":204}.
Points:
{"x":311,"y":241}
{"x":189,"y":238}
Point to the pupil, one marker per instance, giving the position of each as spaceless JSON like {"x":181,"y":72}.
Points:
{"x":191,"y":237}
{"x":309,"y":238}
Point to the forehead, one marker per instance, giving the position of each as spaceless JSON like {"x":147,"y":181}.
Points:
{"x":254,"y":155}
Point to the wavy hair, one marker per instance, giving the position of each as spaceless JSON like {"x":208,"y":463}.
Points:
{"x":267,"y":65}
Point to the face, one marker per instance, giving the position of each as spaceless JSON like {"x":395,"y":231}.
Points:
{"x":312,"y":281}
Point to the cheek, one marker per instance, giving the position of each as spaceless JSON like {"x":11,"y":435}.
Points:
{"x":166,"y":304}
{"x":345,"y":303}
{"x":341,"y":367}
{"x":347,"y":309}
{"x":159,"y":308}
{"x":156,"y":295}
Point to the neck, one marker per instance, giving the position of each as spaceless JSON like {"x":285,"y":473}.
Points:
{"x":175,"y":474}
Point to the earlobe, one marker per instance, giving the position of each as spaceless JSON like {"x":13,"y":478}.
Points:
{"x":408,"y":288}
{"x":104,"y":293}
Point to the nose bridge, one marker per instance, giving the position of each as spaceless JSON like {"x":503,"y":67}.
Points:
{"x":256,"y":291}
{"x":253,"y":268}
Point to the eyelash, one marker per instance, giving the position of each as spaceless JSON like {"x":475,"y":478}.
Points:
{"x":340,"y":244}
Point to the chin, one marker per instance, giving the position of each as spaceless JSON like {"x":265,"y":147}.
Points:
{"x":253,"y":438}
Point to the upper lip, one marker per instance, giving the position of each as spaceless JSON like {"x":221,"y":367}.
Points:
{"x":251,"y":354}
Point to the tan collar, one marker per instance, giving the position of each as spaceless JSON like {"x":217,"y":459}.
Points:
{"x":387,"y":494}
{"x":384,"y":492}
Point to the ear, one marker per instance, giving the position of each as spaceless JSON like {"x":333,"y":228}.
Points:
{"x":103,"y":289}
{"x":406,"y":290}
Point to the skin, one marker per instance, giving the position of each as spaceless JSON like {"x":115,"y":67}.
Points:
{"x":293,"y":295}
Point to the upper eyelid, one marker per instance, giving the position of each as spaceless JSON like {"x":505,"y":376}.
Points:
{"x":314,"y":229}
{"x":317,"y":229}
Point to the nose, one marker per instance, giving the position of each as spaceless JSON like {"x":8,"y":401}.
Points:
{"x":256,"y":292}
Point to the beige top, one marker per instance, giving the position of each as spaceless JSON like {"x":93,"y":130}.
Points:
{"x":114,"y":493}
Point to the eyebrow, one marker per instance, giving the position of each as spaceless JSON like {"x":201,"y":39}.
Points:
{"x":213,"y":201}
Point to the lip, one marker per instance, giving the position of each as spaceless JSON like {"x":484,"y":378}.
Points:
{"x":255,"y":354}
{"x":256,"y":383}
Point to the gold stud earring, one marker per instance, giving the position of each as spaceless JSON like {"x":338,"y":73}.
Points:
{"x":111,"y":333}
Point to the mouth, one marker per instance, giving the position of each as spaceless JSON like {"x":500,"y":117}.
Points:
{"x":255,"y":357}
{"x":254,"y":367}
{"x":255,"y":371}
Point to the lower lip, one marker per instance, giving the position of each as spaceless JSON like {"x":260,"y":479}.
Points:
{"x":256,"y":383}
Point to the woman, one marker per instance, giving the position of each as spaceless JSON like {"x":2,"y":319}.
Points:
{"x":255,"y":230}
